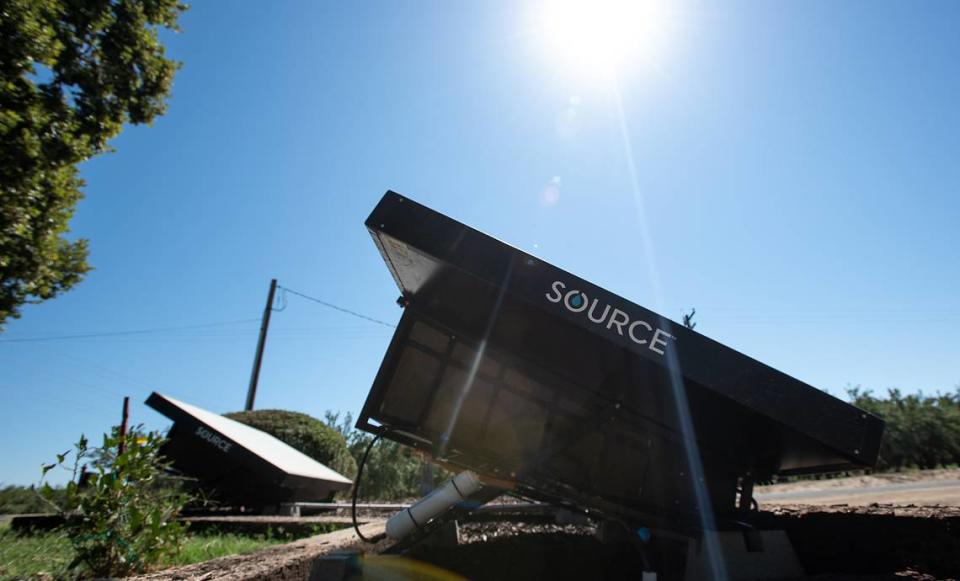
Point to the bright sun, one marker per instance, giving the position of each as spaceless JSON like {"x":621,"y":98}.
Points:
{"x":604,"y":37}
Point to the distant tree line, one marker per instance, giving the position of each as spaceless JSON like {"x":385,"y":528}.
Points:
{"x":922,"y":431}
{"x":24,"y":500}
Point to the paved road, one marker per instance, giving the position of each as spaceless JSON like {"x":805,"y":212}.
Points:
{"x":923,"y":492}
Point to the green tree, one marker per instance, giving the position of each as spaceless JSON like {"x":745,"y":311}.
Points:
{"x":72,"y":72}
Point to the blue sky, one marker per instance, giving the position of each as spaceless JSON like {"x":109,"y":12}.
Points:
{"x":797,"y":163}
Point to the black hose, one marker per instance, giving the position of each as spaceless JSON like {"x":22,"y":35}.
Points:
{"x":356,"y":490}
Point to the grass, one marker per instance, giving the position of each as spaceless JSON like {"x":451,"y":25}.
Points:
{"x":48,"y":555}
{"x":206,"y":546}
{"x":35,"y":556}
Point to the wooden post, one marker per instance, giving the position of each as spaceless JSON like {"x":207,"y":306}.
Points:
{"x":123,"y":424}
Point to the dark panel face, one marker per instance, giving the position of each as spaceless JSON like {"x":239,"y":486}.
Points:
{"x":595,"y":435}
{"x":516,"y":369}
{"x":227,"y":469}
{"x":229,"y":478}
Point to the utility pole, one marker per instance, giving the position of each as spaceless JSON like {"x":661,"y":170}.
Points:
{"x":258,"y":359}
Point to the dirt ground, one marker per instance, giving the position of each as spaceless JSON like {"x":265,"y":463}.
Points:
{"x":864,"y":481}
{"x":877,"y":539}
{"x":928,"y":487}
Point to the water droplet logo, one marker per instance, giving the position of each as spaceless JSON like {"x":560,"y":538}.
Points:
{"x":577,"y":301}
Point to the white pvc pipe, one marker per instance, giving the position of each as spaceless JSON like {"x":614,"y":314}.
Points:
{"x":432,"y":505}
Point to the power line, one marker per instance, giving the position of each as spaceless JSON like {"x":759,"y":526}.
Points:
{"x":191,"y":327}
{"x":335,"y":307}
{"x":120,"y":333}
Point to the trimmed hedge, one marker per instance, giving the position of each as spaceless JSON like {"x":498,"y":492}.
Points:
{"x":305,"y":433}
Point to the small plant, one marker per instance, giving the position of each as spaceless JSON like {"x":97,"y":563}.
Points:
{"x":120,"y":507}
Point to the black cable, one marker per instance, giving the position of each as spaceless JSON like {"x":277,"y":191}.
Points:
{"x":336,"y":308}
{"x":121,"y":333}
{"x":356,"y":490}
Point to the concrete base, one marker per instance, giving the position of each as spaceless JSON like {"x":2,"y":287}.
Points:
{"x":746,"y":556}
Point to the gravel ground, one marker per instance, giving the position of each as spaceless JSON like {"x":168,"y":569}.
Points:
{"x":837,"y":543}
{"x":471,"y":533}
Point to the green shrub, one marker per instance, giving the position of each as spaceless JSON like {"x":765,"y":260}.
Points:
{"x":305,"y":433}
{"x":120,"y":515}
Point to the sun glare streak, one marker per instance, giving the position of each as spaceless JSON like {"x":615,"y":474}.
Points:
{"x":605,"y":40}
{"x":441,"y":450}
{"x":442,"y":446}
{"x":604,"y":37}
{"x":682,"y":407}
